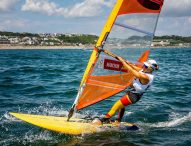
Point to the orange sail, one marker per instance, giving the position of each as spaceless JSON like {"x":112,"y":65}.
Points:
{"x":127,"y":33}
{"x":140,"y":6}
{"x":100,"y":87}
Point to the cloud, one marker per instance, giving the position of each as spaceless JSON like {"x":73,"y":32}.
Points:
{"x":7,"y":5}
{"x":87,"y":8}
{"x":41,"y":6}
{"x":171,"y":26}
{"x":177,"y":8}
{"x":143,"y":23}
{"x":189,"y":20}
{"x":8,"y":24}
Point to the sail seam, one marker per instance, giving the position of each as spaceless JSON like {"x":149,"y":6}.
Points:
{"x":134,"y":28}
{"x":106,"y":83}
{"x":105,"y":86}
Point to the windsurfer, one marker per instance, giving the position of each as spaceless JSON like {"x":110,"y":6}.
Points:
{"x":142,"y":81}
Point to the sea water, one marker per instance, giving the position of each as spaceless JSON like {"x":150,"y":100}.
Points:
{"x":46,"y":82}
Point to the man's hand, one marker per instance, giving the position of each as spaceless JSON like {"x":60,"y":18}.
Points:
{"x":123,"y":60}
{"x":100,"y":50}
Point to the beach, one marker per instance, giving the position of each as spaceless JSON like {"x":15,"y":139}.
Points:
{"x":11,"y":47}
{"x":45,"y":47}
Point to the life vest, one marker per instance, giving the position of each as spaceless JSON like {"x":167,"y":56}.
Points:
{"x":138,"y":88}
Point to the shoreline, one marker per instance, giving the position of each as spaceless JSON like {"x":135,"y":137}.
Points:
{"x":9,"y":47}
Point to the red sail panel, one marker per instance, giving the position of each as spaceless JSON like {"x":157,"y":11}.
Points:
{"x":141,"y":6}
{"x":114,"y":65}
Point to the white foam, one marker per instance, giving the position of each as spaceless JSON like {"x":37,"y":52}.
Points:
{"x":89,"y":113}
{"x":128,"y":113}
{"x":31,"y":137}
{"x":7,"y":118}
{"x":47,"y":109}
{"x":174,"y":122}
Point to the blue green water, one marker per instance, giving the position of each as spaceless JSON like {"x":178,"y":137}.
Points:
{"x":46,"y":82}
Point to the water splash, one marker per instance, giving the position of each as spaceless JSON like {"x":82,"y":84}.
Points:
{"x":174,"y":122}
{"x":31,"y":137}
{"x":7,"y":118}
{"x":128,"y":113}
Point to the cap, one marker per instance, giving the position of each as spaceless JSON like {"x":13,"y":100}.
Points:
{"x":152,"y":63}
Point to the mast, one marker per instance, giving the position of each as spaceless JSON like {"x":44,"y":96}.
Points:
{"x":99,"y":45}
{"x":111,"y":84}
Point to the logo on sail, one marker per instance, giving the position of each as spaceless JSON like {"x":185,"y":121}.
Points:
{"x":113,"y":65}
{"x":151,"y":4}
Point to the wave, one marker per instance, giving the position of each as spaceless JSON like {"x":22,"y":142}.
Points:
{"x":176,"y":121}
{"x":7,"y":118}
{"x":31,"y":137}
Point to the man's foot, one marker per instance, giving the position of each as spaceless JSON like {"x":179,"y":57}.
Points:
{"x":105,"y":120}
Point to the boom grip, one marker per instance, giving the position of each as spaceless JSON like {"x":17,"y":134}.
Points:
{"x":110,"y":54}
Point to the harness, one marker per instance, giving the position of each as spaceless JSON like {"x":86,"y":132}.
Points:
{"x":136,"y":95}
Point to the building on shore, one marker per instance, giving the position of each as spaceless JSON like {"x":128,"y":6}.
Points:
{"x":4,"y":40}
{"x":160,"y":43}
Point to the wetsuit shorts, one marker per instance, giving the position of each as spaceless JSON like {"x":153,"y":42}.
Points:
{"x":134,"y":97}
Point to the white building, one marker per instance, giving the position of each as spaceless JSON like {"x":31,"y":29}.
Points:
{"x":160,"y":43}
{"x":15,"y":40}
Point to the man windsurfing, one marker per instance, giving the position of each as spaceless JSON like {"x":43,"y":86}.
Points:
{"x":142,"y":81}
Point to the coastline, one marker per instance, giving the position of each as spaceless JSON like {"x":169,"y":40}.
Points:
{"x":9,"y":47}
{"x":171,"y":47}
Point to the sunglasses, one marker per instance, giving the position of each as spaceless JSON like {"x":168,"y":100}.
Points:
{"x":154,"y":65}
{"x":145,"y":66}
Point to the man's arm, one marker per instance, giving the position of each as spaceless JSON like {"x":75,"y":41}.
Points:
{"x":115,"y":56}
{"x":133,"y":66}
{"x":133,"y":71}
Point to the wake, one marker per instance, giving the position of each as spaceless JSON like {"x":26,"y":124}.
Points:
{"x":174,"y":122}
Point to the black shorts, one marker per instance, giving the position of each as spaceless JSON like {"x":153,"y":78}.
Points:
{"x":134,"y":97}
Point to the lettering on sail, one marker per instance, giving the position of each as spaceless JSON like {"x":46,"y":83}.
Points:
{"x":113,"y":65}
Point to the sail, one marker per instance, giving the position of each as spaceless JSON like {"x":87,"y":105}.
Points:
{"x":128,"y":33}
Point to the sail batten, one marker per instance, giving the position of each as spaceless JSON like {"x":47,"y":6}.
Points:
{"x":134,"y":28}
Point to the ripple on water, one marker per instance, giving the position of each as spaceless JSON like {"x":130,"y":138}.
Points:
{"x":46,"y":82}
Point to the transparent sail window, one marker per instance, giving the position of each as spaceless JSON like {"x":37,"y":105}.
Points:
{"x":131,"y":35}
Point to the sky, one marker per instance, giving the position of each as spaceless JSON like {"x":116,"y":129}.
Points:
{"x":83,"y":16}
